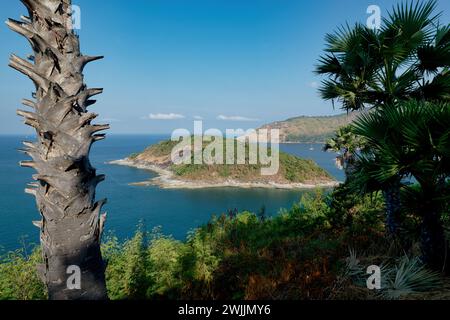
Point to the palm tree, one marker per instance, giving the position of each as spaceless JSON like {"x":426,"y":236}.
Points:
{"x":410,"y":140}
{"x":346,"y":143}
{"x":409,"y":57}
{"x":65,"y":181}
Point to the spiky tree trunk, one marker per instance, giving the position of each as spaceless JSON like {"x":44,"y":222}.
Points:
{"x":71,"y":225}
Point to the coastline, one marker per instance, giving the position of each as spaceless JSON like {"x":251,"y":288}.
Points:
{"x":167,"y":180}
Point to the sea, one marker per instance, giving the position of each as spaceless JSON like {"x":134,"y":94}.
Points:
{"x":174,"y":212}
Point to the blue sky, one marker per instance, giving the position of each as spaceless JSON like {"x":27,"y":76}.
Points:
{"x":234,"y":63}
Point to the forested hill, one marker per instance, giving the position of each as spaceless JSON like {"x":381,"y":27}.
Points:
{"x":293,"y":171}
{"x":310,"y":129}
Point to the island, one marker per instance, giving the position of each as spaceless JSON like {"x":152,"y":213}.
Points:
{"x":293,"y":173}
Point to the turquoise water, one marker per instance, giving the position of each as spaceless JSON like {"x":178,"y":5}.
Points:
{"x":176,"y":211}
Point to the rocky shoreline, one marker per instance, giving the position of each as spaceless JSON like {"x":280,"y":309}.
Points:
{"x":167,"y":180}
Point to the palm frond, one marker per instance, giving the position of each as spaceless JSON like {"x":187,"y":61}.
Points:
{"x":345,"y":39}
{"x":437,"y":89}
{"x":412,"y":21}
{"x":329,"y":65}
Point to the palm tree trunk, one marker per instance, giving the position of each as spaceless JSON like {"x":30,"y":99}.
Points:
{"x":349,"y":164}
{"x":433,"y":240}
{"x":65,"y":182}
{"x":392,"y":201}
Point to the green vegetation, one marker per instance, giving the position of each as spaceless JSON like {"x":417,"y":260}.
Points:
{"x":346,"y":143}
{"x":292,"y":169}
{"x":407,"y":58}
{"x":18,"y":276}
{"x":301,"y":253}
{"x":295,"y":169}
{"x":401,"y":71}
{"x":310,"y":129}
{"x":393,"y":211}
{"x":162,"y":149}
{"x":133,"y":155}
{"x":399,"y":150}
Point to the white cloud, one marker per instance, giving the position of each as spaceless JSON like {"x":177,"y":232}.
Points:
{"x":164,"y":116}
{"x":235,"y":118}
{"x":198,"y":117}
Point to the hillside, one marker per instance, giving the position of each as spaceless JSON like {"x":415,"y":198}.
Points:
{"x":293,"y":172}
{"x":310,"y":129}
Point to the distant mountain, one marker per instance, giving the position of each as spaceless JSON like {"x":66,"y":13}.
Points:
{"x":310,"y":129}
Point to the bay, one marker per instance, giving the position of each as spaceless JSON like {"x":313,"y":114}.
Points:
{"x":175,"y":211}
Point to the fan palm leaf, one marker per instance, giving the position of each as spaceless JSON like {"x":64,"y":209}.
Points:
{"x":408,"y":57}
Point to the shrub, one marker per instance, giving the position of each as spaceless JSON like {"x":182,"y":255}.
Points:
{"x":126,"y":274}
{"x":18,"y":276}
{"x":298,"y":254}
{"x":165,"y":268}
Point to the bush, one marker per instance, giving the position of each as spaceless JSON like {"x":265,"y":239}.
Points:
{"x":165,"y":268}
{"x":18,"y":276}
{"x":126,"y":274}
{"x":301,"y":253}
